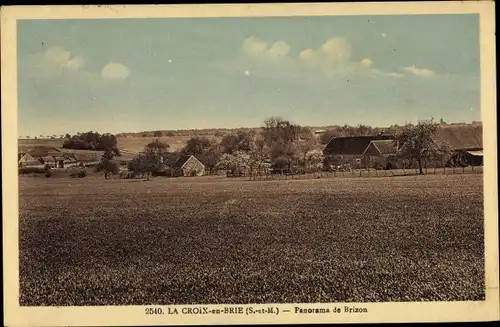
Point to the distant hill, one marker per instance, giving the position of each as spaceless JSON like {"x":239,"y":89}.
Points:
{"x":135,"y":142}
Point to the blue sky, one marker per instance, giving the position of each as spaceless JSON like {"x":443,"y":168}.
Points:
{"x":126,"y":75}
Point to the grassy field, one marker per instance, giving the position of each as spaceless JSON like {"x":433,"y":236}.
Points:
{"x":134,"y":144}
{"x":217,"y":240}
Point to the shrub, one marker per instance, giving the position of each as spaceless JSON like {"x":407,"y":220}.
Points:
{"x":377,"y":165}
{"x":162,"y":172}
{"x":48,"y":173}
{"x":193,"y":173}
{"x":31,"y":170}
{"x":80,"y":173}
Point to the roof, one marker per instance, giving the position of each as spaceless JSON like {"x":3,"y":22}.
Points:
{"x":175,"y":159}
{"x":381,"y":147}
{"x":27,"y":159}
{"x":352,"y":145}
{"x":48,"y":159}
{"x":460,"y":137}
{"x":182,"y":160}
{"x":41,"y":151}
{"x":87,"y":157}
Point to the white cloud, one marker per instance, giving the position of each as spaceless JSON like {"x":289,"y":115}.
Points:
{"x":257,"y":48}
{"x":333,"y":58}
{"x":422,"y":72}
{"x":114,"y":71}
{"x":366,"y":62}
{"x":382,"y":73}
{"x":56,"y":62}
{"x":333,"y":54}
{"x":59,"y":57}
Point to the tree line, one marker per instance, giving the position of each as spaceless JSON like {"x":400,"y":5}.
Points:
{"x":91,"y":141}
{"x":279,"y":143}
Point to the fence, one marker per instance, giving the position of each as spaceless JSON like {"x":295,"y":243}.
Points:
{"x":368,"y":173}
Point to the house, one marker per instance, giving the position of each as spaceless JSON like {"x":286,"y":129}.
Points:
{"x":42,"y":151}
{"x":25,"y":159}
{"x":381,"y":153}
{"x":183,"y":165}
{"x":463,"y":142}
{"x":460,"y":137}
{"x":87,"y":158}
{"x":350,"y":149}
{"x":49,"y":160}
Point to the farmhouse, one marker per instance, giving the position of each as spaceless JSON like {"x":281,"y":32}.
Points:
{"x":41,"y":151}
{"x":381,"y":152}
{"x":351,"y":149}
{"x":183,"y":165}
{"x":49,"y":160}
{"x":87,"y":159}
{"x":465,"y":142}
{"x":25,"y":159}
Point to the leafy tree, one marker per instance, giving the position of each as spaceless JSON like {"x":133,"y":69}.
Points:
{"x":197,"y":145}
{"x":315,"y":157}
{"x":157,"y":133}
{"x":239,"y":141}
{"x":91,"y":141}
{"x":235,"y":163}
{"x":145,"y":163}
{"x":277,"y":129}
{"x":210,"y":157}
{"x":419,"y":144}
{"x":107,"y":164}
{"x":159,"y":149}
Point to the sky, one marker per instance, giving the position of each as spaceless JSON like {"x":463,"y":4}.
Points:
{"x":132,"y":75}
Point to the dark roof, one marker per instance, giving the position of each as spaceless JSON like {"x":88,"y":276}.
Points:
{"x":87,"y":157}
{"x":175,"y":159}
{"x":461,"y":137}
{"x":352,"y":145}
{"x":48,"y":159}
{"x":182,"y":160}
{"x":41,"y":151}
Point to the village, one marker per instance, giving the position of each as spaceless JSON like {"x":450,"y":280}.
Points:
{"x":458,"y":145}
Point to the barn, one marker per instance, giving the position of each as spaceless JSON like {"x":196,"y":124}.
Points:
{"x":351,"y":149}
{"x":465,"y":142}
{"x":42,"y":151}
{"x":183,"y":165}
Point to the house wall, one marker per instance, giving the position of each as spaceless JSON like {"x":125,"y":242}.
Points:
{"x":193,"y":165}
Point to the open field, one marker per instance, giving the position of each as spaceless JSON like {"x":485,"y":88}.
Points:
{"x":133,"y":144}
{"x":217,"y":240}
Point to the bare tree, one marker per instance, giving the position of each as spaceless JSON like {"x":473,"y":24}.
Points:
{"x":306,"y":143}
